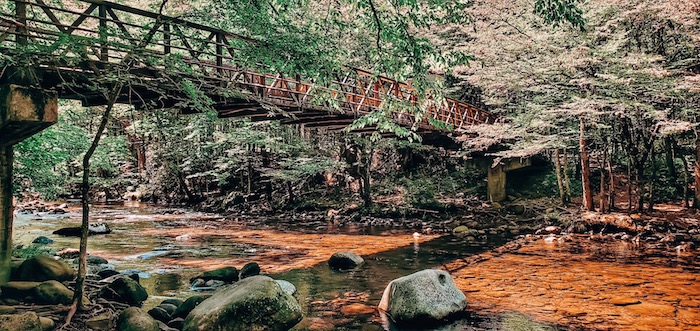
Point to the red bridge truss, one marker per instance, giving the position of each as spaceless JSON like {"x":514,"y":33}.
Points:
{"x":71,"y":43}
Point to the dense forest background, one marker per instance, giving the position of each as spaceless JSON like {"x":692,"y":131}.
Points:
{"x":618,"y":89}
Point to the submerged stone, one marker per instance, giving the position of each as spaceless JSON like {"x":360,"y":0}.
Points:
{"x":28,"y":321}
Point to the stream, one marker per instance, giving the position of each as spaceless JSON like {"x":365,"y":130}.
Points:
{"x":168,"y":246}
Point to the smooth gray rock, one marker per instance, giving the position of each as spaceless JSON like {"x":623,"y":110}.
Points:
{"x":345,"y":260}
{"x":254,"y":303}
{"x":286,"y":286}
{"x":427,"y":295}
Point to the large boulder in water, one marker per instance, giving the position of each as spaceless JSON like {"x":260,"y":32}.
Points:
{"x":135,"y":319}
{"x":225,"y":274}
{"x":41,"y":268}
{"x":126,"y":290}
{"x":345,"y":260}
{"x":75,"y":231}
{"x":424,"y":296}
{"x":254,"y":303}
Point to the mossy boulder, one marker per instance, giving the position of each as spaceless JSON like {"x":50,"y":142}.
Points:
{"x":126,"y":290}
{"x":226,"y":274}
{"x":42,"y":268}
{"x":186,"y":307}
{"x":254,"y":303}
{"x":52,"y":292}
{"x":28,"y":321}
{"x":250,"y":269}
{"x":135,"y":319}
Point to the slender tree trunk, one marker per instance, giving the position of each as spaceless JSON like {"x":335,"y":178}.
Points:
{"x":696,"y":200}
{"x":290,"y":193}
{"x":366,"y":160}
{"x":640,"y":187}
{"x":85,"y":201}
{"x":669,"y":156}
{"x":567,"y":181}
{"x":652,"y":191}
{"x":611,"y":195}
{"x":629,"y":184}
{"x":585,"y":169}
{"x":560,"y":180}
{"x":686,"y":181}
{"x":603,"y":191}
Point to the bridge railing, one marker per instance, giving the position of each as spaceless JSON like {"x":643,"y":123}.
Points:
{"x":83,"y":35}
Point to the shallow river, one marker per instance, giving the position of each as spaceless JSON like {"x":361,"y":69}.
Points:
{"x":169,"y":246}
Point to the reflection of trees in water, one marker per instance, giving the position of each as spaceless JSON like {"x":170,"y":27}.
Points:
{"x":167,"y":282}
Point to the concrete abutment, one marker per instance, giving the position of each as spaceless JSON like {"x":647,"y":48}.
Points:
{"x":24,"y":111}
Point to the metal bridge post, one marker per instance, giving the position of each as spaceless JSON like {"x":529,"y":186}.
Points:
{"x":104,"y":47}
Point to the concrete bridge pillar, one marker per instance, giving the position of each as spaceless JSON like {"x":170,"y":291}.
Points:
{"x":6,"y":210}
{"x":496,"y":180}
{"x":24,"y":111}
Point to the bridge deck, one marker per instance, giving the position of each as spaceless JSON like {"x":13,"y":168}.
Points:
{"x":77,"y":48}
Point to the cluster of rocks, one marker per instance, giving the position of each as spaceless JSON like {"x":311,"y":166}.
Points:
{"x":37,"y":207}
{"x":227,"y":275}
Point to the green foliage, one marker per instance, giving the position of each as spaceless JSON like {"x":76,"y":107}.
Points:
{"x":556,"y":12}
{"x":26,"y":252}
{"x":49,"y":162}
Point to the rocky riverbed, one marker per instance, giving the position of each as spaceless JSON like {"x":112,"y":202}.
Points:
{"x":575,"y":275}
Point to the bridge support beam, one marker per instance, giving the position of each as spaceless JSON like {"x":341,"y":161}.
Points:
{"x":24,"y":111}
{"x":6,"y":210}
{"x":496,"y":177}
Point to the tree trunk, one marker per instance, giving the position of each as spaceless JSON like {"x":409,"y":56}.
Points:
{"x":560,"y":180}
{"x":652,"y":191}
{"x":290,"y":193}
{"x":85,"y":190}
{"x":366,"y":160}
{"x":669,"y":161}
{"x":686,"y":180}
{"x":585,"y":168}
{"x":629,"y":184}
{"x":603,"y":191}
{"x":611,"y":194}
{"x":696,"y":200}
{"x":567,"y":181}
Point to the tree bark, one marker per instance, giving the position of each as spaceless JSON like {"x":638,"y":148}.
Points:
{"x":560,"y":180}
{"x":567,"y":181}
{"x":696,"y":200}
{"x":85,"y":201}
{"x":603,"y":191}
{"x":611,"y":193}
{"x":585,"y":168}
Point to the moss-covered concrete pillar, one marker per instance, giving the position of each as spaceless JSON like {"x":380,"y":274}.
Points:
{"x":6,"y":210}
{"x":24,"y":111}
{"x":496,"y":184}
